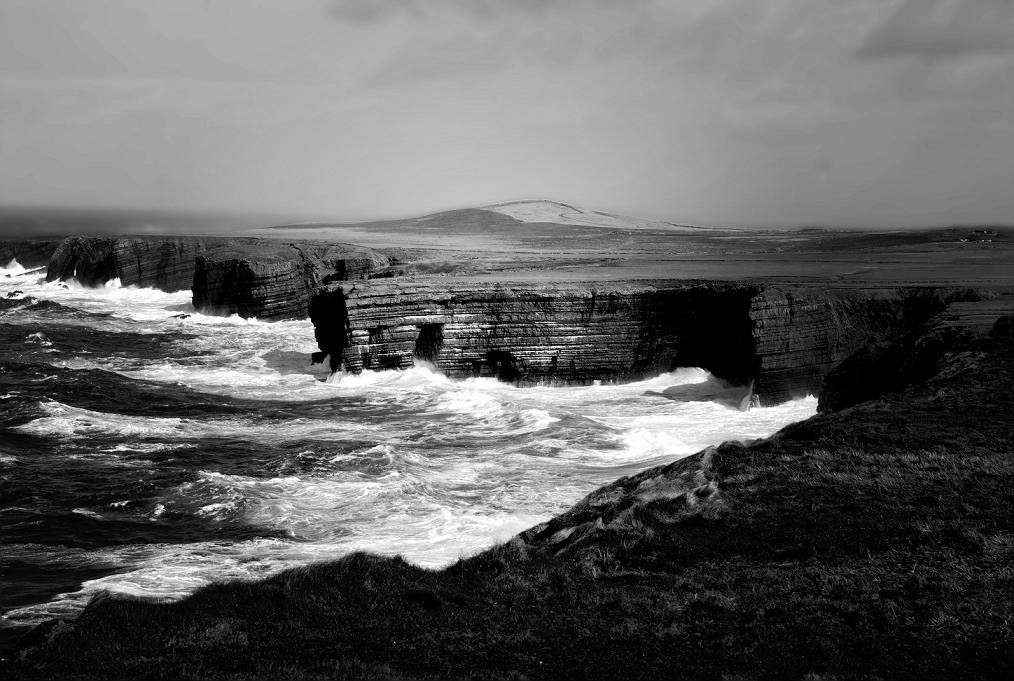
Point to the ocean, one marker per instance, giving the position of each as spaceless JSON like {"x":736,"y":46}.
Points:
{"x":149,"y":450}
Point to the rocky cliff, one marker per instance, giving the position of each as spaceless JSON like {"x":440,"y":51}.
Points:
{"x":782,"y":340}
{"x":800,"y":334}
{"x":163,"y":263}
{"x":273,"y":280}
{"x":537,"y":334}
{"x":250,"y":277}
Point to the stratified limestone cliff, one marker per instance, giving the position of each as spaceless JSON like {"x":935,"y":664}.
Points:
{"x":784,"y":341}
{"x":247,"y":276}
{"x":273,"y":280}
{"x":800,"y":334}
{"x":163,"y":263}
{"x":537,"y":334}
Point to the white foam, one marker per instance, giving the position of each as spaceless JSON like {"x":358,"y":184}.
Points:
{"x":38,"y":338}
{"x":12,"y":269}
{"x":75,"y":423}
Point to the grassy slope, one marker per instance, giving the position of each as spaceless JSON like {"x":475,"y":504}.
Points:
{"x":870,"y":543}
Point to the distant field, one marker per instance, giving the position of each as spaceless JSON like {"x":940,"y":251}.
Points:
{"x":489,"y":244}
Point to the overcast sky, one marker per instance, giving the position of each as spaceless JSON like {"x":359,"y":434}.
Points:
{"x":830,"y":112}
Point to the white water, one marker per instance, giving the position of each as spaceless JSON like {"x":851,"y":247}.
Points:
{"x":429,"y":468}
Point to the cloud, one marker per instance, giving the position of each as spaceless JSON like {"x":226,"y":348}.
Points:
{"x":369,"y":11}
{"x":941,"y":29}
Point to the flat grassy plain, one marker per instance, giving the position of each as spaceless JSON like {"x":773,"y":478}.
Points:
{"x":876,"y":542}
{"x":487,"y":245}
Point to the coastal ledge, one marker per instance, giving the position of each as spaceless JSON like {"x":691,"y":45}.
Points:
{"x":867,"y":543}
{"x":781,"y":340}
{"x":251,"y":277}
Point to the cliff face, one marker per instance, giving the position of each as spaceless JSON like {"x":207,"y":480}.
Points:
{"x":163,"y":263}
{"x":783,"y":341}
{"x":250,"y":277}
{"x":799,"y":335}
{"x":536,"y":334}
{"x":274,"y":280}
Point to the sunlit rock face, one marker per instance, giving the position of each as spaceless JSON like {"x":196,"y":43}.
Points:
{"x":784,"y":341}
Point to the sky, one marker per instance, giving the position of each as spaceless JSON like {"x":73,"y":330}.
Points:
{"x":713,"y":112}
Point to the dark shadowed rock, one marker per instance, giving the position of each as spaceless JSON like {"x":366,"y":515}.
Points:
{"x":888,"y":366}
{"x":1003,"y":327}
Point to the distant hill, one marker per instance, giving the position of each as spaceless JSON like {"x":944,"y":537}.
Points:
{"x":562,"y":213}
{"x":510,"y":216}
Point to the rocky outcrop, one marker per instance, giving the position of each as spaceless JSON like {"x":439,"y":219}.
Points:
{"x":889,"y":366}
{"x":800,"y":334}
{"x":28,"y":252}
{"x":1003,"y":327}
{"x":163,"y":263}
{"x":245,"y":276}
{"x":784,"y":341}
{"x":537,"y":334}
{"x":274,"y":280}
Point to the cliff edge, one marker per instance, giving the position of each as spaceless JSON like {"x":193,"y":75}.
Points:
{"x":782,"y":340}
{"x":251,"y":277}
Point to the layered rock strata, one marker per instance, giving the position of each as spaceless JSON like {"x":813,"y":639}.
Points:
{"x":783,"y":341}
{"x":250,"y":277}
{"x":269,"y":280}
{"x":163,"y":263}
{"x":800,"y":334}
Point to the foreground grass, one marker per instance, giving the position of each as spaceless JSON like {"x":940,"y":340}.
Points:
{"x":871,"y":543}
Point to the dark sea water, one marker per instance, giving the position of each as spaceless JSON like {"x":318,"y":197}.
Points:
{"x":148,"y":453}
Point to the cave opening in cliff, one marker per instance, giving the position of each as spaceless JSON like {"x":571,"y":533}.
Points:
{"x":503,"y":365}
{"x":329,"y":314}
{"x":715,"y":334}
{"x":429,"y":342}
